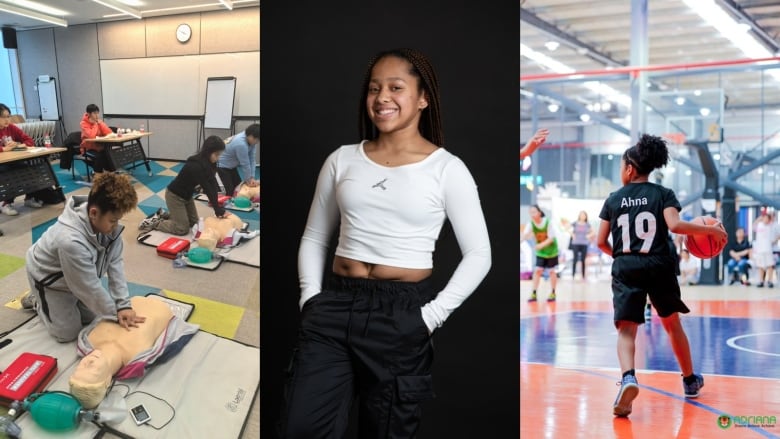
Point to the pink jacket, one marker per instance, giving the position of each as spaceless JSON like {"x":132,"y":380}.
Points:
{"x":90,"y":130}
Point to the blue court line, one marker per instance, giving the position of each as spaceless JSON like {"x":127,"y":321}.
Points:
{"x":758,"y":430}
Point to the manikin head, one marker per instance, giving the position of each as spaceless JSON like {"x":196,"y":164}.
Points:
{"x":91,"y":379}
{"x":251,"y":192}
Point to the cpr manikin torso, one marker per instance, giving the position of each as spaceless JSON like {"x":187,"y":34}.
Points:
{"x":214,"y":230}
{"x":251,"y":192}
{"x":111,"y":348}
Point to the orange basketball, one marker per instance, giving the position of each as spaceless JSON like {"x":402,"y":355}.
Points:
{"x":703,"y":246}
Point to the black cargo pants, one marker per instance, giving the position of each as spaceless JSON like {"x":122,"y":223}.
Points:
{"x":364,"y":339}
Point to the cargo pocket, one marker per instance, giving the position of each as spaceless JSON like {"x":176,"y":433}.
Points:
{"x":415,"y":388}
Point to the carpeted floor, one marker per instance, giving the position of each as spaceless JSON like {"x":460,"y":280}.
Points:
{"x":227,"y":299}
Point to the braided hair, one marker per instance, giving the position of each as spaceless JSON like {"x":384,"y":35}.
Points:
{"x":430,"y":119}
{"x":649,"y":153}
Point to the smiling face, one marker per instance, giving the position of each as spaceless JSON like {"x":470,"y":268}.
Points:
{"x":394,"y":99}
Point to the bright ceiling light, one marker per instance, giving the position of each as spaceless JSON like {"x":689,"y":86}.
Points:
{"x":585,"y":117}
{"x":32,"y":14}
{"x":554,"y":65}
{"x":712,"y":13}
{"x":38,"y":7}
{"x":697,"y":92}
{"x":606,"y":106}
{"x":704,"y":111}
{"x":679,"y":100}
{"x":552,"y":45}
{"x":117,"y":6}
{"x":552,"y":108}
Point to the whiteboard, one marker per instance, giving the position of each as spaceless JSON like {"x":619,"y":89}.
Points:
{"x":47,"y":97}
{"x":220,"y":93}
{"x":176,"y":85}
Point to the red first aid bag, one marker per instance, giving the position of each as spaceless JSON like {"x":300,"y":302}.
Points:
{"x":172,"y":247}
{"x":222,"y":199}
{"x":28,"y":374}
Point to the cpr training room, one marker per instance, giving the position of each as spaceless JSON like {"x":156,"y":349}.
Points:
{"x":130,"y":219}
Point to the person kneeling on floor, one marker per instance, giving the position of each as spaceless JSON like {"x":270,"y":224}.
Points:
{"x":65,"y":265}
{"x":199,"y":170}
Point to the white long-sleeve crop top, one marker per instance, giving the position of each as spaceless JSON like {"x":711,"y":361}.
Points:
{"x":392,"y":216}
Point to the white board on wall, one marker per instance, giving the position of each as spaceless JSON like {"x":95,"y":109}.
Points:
{"x":220,"y":93}
{"x":176,"y":85}
{"x":47,"y":97}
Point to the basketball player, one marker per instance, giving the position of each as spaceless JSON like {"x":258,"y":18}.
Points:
{"x":639,"y":217}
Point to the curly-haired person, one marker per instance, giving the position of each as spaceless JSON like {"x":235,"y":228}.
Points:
{"x":65,"y":265}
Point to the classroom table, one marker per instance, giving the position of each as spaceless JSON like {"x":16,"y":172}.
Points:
{"x":27,"y":171}
{"x":124,"y":150}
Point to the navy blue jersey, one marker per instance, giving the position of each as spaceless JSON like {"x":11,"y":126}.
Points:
{"x":636,"y":219}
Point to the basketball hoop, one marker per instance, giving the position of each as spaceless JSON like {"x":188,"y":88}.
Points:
{"x":676,"y":138}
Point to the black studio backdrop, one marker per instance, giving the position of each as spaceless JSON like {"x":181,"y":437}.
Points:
{"x":314,"y":56}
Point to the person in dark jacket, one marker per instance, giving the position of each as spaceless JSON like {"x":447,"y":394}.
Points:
{"x":199,"y":170}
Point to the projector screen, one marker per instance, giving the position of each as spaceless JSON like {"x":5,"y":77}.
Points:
{"x":176,"y":85}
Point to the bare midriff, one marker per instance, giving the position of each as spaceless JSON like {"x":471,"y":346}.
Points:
{"x":358,"y":269}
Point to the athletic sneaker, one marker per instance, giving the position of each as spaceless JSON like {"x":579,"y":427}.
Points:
{"x":8,"y":209}
{"x":532,"y":298}
{"x":150,"y":223}
{"x":162,"y":214}
{"x":32,"y":202}
{"x":28,"y":301}
{"x":551,"y":297}
{"x":692,"y":390}
{"x":629,"y":389}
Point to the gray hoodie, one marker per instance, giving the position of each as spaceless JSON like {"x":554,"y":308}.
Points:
{"x":71,"y":246}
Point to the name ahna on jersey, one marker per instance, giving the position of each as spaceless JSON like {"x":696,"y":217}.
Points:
{"x":631,"y":202}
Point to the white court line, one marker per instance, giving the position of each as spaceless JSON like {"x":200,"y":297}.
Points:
{"x":644,"y":371}
{"x":732,"y":343}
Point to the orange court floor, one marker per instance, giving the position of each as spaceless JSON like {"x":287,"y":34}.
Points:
{"x":569,"y":368}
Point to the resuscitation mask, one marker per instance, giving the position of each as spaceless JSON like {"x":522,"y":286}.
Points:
{"x":60,"y":411}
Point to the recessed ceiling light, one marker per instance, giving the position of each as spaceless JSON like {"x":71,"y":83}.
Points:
{"x":552,"y":108}
{"x":585,"y":117}
{"x":679,"y":100}
{"x":552,"y":45}
{"x":704,"y":111}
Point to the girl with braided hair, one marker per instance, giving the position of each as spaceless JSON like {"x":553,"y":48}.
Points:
{"x":366,"y":330}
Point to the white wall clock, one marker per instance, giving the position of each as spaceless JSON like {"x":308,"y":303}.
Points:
{"x":183,"y":33}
